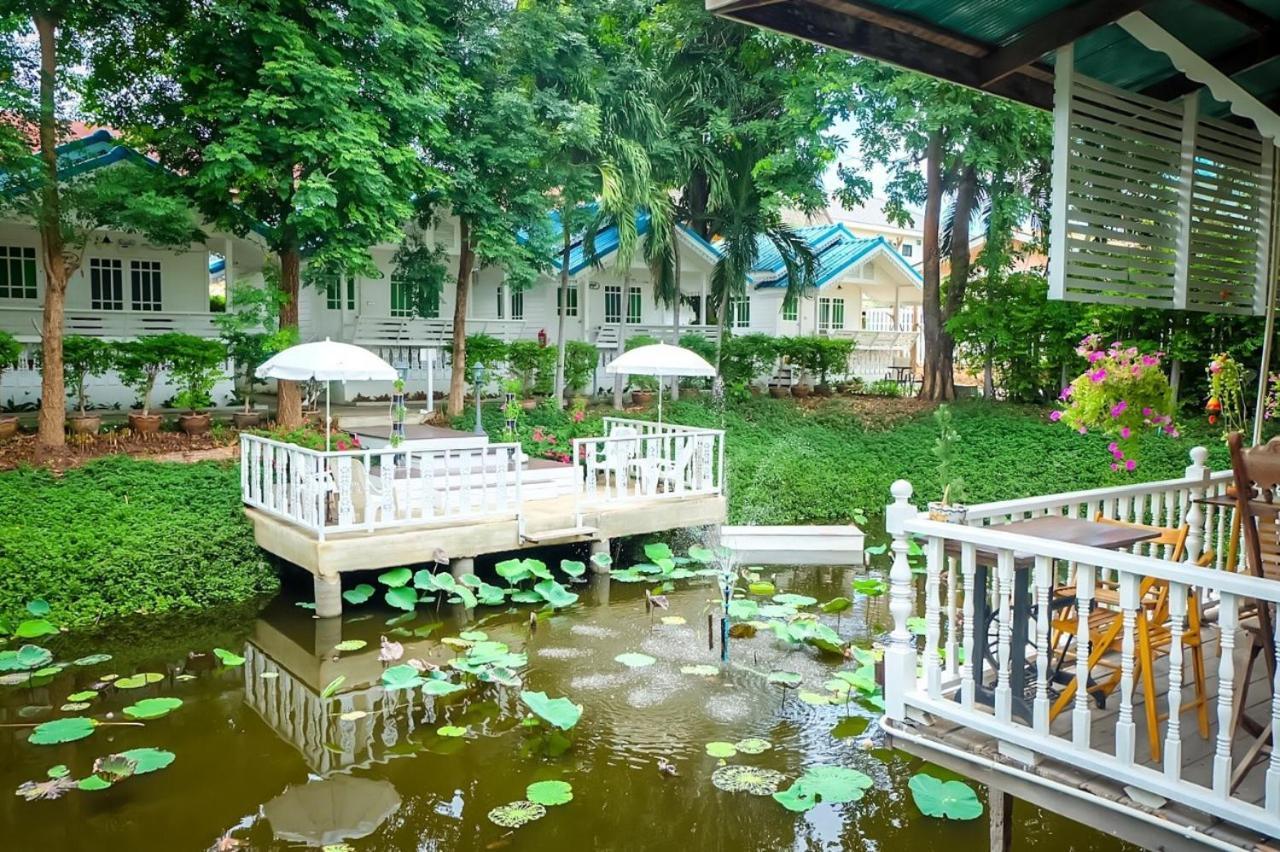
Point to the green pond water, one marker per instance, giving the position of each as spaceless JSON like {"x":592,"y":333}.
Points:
{"x":261,"y":759}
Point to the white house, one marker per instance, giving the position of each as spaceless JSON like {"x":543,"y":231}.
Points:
{"x":123,"y":288}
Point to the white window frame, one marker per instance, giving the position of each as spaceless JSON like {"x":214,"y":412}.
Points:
{"x":613,"y":292}
{"x":830,"y":314}
{"x":19,"y":264}
{"x":739,"y":312}
{"x":572,"y":298}
{"x":146,"y":292}
{"x":517,"y":304}
{"x":635,"y":298}
{"x":106,"y":272}
{"x":791,"y":313}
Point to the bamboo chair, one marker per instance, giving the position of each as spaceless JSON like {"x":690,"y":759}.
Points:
{"x":1153,"y":641}
{"x":1256,"y":471}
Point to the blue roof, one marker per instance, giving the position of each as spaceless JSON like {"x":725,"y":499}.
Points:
{"x":836,"y":249}
{"x":79,"y":156}
{"x":607,"y":241}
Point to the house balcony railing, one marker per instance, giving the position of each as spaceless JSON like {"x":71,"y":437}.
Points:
{"x":1212,"y":774}
{"x":24,"y":323}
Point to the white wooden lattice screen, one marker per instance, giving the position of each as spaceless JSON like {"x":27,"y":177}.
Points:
{"x":1155,"y":205}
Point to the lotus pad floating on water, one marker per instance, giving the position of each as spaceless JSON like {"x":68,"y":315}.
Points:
{"x":719,"y":749}
{"x":701,"y":670}
{"x":752,"y":745}
{"x":829,"y":784}
{"x":350,"y":645}
{"x":788,"y":679}
{"x":549,"y":792}
{"x":359,"y":594}
{"x":451,"y":731}
{"x":62,"y":731}
{"x":138,"y":681}
{"x":560,"y":712}
{"x":748,"y":779}
{"x":516,"y":814}
{"x":944,"y":799}
{"x":227,"y":658}
{"x":25,"y":658}
{"x":790,"y":599}
{"x":152,"y":708}
{"x":634,"y":660}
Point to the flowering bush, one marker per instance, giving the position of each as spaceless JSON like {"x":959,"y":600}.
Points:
{"x":1226,"y":393}
{"x":1123,"y":394}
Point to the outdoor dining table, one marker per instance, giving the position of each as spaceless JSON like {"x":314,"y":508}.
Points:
{"x":1052,"y":527}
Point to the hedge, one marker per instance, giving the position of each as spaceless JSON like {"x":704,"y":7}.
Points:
{"x":119,"y":536}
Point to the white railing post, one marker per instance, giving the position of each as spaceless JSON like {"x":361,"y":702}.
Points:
{"x":900,"y":655}
{"x":1198,"y":471}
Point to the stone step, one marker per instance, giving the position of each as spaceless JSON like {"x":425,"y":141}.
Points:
{"x":562,"y":534}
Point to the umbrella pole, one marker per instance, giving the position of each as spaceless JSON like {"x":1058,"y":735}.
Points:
{"x":327,"y":386}
{"x":659,"y":401}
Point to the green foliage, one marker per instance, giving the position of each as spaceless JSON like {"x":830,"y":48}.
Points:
{"x":533,"y":364}
{"x":944,"y":450}
{"x":119,"y":536}
{"x":139,"y":362}
{"x":885,"y":387}
{"x":704,"y":347}
{"x":580,"y":360}
{"x":83,"y":357}
{"x":644,"y":383}
{"x":421,"y":267}
{"x":745,"y":358}
{"x":196,"y":365}
{"x":10,"y":351}
{"x":252,"y":332}
{"x":486,"y":350}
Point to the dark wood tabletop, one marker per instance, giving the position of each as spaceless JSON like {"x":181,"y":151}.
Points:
{"x":1079,"y":531}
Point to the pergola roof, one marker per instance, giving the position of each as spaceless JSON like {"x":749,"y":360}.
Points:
{"x":1005,"y":46}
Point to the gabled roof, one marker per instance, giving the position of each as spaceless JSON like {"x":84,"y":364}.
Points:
{"x":837,"y":249}
{"x":80,"y":156}
{"x":607,"y":241}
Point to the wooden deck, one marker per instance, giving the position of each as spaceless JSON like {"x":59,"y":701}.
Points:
{"x":1105,"y":803}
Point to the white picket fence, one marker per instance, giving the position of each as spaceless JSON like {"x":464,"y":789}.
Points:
{"x":945,"y":685}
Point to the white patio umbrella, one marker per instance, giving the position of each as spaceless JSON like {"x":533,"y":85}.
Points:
{"x":660,"y":360}
{"x":327,"y":361}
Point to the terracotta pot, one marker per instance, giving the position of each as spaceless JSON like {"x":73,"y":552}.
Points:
{"x":801,"y":391}
{"x":195,"y":423}
{"x":779,"y":392}
{"x":822,"y":390}
{"x":84,"y":424}
{"x":8,"y":427}
{"x":247,"y":419}
{"x":640,"y":397}
{"x":528,"y":404}
{"x":144,"y":424}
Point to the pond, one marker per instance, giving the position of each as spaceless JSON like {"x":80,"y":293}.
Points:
{"x":261,"y":761}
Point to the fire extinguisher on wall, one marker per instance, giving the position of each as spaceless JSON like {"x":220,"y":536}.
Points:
{"x":542,"y":338}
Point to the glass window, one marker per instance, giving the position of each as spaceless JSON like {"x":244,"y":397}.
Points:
{"x":739,"y":312}
{"x":17,"y":272}
{"x":332,"y":284}
{"x":572,"y":293}
{"x":517,"y":304}
{"x":613,"y":304}
{"x":402,"y":301}
{"x":106,"y":284}
{"x":144,"y":285}
{"x":830,"y":314}
{"x":502,"y":308}
{"x":635,"y":305}
{"x":791,"y":312}
{"x":907,"y":249}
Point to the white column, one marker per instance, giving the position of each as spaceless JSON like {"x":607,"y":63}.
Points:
{"x":900,"y":655}
{"x":328,"y":596}
{"x":228,"y":269}
{"x":1195,"y":514}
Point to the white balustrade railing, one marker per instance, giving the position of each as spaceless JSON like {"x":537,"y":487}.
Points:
{"x":641,"y":460}
{"x":1108,"y":744}
{"x":365,"y":490}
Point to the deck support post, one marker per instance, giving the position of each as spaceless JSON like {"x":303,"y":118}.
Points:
{"x":461,"y":566}
{"x":1195,"y":515}
{"x":1000,"y":808}
{"x":900,"y":655}
{"x":601,"y":546}
{"x":328,"y":596}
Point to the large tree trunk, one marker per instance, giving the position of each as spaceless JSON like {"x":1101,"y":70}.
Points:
{"x":458,"y":374}
{"x":289,"y":398}
{"x":52,"y":421}
{"x":564,"y":300}
{"x":937,"y":383}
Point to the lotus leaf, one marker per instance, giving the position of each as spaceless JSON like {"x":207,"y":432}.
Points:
{"x":753,"y":745}
{"x":788,"y":679}
{"x":798,"y":601}
{"x":512,"y":570}
{"x":673,"y":620}
{"x":401,"y":597}
{"x":500,"y":675}
{"x":396,"y":577}
{"x":944,"y":799}
{"x":705,"y":555}
{"x":60,"y":731}
{"x":359,"y":594}
{"x":152,"y":708}
{"x":872,"y":587}
{"x":850,"y":726}
{"x":647,"y":568}
{"x":700,"y":670}
{"x":59,"y":771}
{"x":332,"y":687}
{"x":747,"y":779}
{"x":863,"y":678}
{"x":114,"y":767}
{"x":761,"y":587}
{"x":473,"y":635}
{"x":635,"y":661}
{"x":441,"y":687}
{"x":573,"y":568}
{"x":602,"y":560}
{"x":451,"y":731}
{"x":658,"y":550}
{"x":817,"y":699}
{"x":350,"y":645}
{"x":525,"y":596}
{"x":306,"y":604}
{"x":464,"y":596}
{"x":227,"y":658}
{"x":666,"y":566}
{"x":777,"y":611}
{"x":538,"y":568}
{"x":38,"y":607}
{"x":630,"y":575}
{"x":831,"y":784}
{"x":33,"y":628}
{"x":742,"y":608}
{"x":555,"y":594}
{"x":91,"y":660}
{"x":148,"y":759}
{"x":721,"y":749}
{"x":92,"y":783}
{"x":560,"y":712}
{"x":138,"y":681}
{"x":516,"y":814}
{"x":549,"y":793}
{"x":75,"y":706}
{"x":489,"y":595}
{"x":681,"y":574}
{"x":26,"y":657}
{"x":402,"y":676}
{"x":48,"y":671}
{"x":836,"y":605}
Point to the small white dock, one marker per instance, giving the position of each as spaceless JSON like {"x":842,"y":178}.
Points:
{"x":795,"y":545}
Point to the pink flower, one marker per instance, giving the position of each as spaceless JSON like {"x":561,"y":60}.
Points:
{"x":1130,"y":465}
{"x":578,"y":416}
{"x":1146,"y":412}
{"x":1082,"y":430}
{"x":1118,"y":408}
{"x":1098,"y":375}
{"x":1150,"y":360}
{"x":1066,"y":392}
{"x":1112,"y":447}
{"x":342,"y":445}
{"x":1215,"y":367}
{"x":1055,"y":416}
{"x":1094,"y":357}
{"x":537,"y":434}
{"x":551,"y":439}
{"x":1125,"y":431}
{"x":1115,"y":466}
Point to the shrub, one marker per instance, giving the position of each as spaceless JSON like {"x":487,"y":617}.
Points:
{"x":196,"y":365}
{"x":803,"y":352}
{"x":744,"y":359}
{"x":10,"y":351}
{"x":118,"y":536}
{"x":580,"y":361}
{"x":831,"y":355}
{"x":483,"y":349}
{"x":139,"y":363}
{"x":529,"y":362}
{"x":885,"y":387}
{"x":252,"y":333}
{"x":703,"y":346}
{"x":83,"y":357}
{"x":643,"y":383}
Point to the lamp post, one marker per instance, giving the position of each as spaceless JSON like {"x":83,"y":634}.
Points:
{"x":477,"y":377}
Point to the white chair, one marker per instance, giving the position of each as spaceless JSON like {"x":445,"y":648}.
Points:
{"x":674,"y":470}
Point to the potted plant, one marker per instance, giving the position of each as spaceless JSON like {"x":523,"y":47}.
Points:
{"x":196,"y":365}
{"x":949,"y":509}
{"x":1226,"y":394}
{"x":829,"y":355}
{"x":643,"y":388}
{"x":10,"y":352}
{"x":83,"y":357}
{"x":252,"y":334}
{"x":138,"y":363}
{"x":1123,"y":393}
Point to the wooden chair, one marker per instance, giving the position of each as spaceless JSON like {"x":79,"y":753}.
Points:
{"x":1154,"y":637}
{"x":1256,"y":471}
